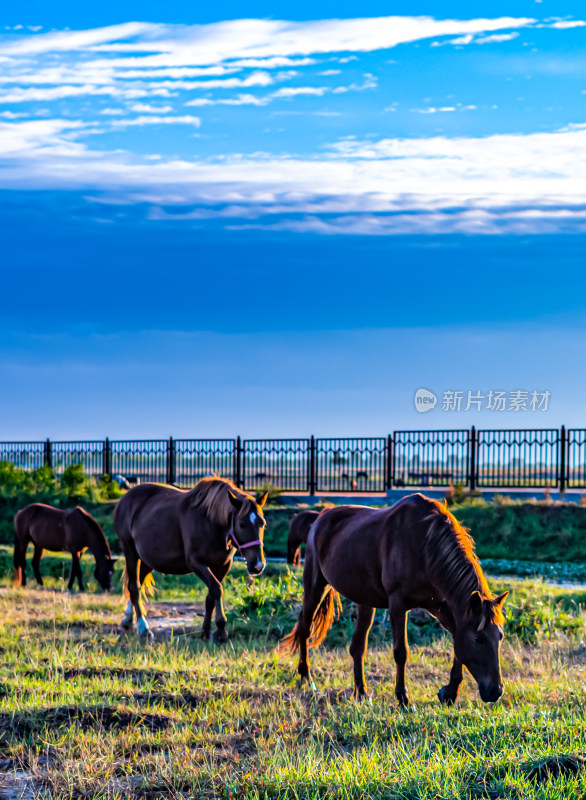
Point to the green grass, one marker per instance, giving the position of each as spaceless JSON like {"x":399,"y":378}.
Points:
{"x":86,"y":712}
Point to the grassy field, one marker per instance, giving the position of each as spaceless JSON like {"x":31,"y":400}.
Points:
{"x":85,"y":712}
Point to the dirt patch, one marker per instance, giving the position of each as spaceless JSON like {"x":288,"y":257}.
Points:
{"x":554,"y":767}
{"x":179,"y":610}
{"x":20,"y":785}
{"x":137,"y":676}
{"x":103,"y":717}
{"x":180,"y":700}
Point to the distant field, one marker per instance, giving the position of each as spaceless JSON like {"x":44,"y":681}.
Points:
{"x":85,"y":712}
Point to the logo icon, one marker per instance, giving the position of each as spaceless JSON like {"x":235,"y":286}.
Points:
{"x":424,"y":400}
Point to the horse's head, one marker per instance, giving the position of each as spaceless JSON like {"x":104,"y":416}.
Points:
{"x":247,"y":530}
{"x":477,"y":640}
{"x":104,"y":571}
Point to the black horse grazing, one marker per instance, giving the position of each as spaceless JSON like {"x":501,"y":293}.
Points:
{"x":298,"y":532}
{"x":72,"y":531}
{"x":177,"y":532}
{"x":413,"y":555}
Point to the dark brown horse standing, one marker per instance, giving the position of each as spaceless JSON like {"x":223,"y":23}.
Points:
{"x":298,"y":532}
{"x":72,"y":531}
{"x":413,"y":555}
{"x":177,"y":532}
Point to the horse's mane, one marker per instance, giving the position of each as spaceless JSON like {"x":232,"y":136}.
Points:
{"x":450,"y":554}
{"x":211,"y":494}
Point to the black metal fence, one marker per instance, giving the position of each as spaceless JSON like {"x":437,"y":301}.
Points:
{"x":509,"y":459}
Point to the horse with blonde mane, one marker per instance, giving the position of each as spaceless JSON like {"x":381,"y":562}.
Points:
{"x":177,"y":532}
{"x":413,"y":555}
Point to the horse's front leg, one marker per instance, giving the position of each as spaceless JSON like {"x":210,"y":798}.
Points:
{"x":38,"y":554}
{"x":75,"y":573}
{"x":398,"y":617}
{"x":449,"y":693}
{"x":213,"y":600}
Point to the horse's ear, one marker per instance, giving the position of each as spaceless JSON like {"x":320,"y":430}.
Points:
{"x":476,"y":603}
{"x":261,"y":499}
{"x":236,"y":501}
{"x":499,"y":601}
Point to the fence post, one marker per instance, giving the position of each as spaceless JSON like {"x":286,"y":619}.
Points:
{"x":472,"y":458}
{"x":312,"y":467}
{"x":107,"y":462}
{"x":562,"y":457}
{"x":238,"y":463}
{"x":389,"y":477}
{"x":171,"y":461}
{"x":48,"y":459}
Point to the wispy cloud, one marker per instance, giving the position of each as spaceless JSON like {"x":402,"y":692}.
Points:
{"x":155,"y":120}
{"x":502,"y":183}
{"x":470,"y":38}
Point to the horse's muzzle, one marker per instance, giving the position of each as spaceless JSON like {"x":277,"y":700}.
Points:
{"x":256,"y":569}
{"x":490,"y":694}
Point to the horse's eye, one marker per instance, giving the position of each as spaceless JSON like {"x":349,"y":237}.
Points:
{"x":479,"y":638}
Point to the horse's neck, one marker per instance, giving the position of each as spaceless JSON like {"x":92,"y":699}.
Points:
{"x":452,"y":585}
{"x":97,"y":543}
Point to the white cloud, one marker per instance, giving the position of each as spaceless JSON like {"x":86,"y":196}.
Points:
{"x":197,"y":45}
{"x":19,"y":95}
{"x":294,"y":91}
{"x":565,"y":24}
{"x":504,"y":183}
{"x":472,"y":39}
{"x":67,"y":41}
{"x":154,"y":120}
{"x":496,"y":37}
{"x":433,"y":109}
{"x":239,"y":100}
{"x":146,"y":108}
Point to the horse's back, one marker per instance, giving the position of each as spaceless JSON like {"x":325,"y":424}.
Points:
{"x":42,"y":524}
{"x":367,"y":553}
{"x":147,"y":520}
{"x":300,"y":525}
{"x":145,"y":499}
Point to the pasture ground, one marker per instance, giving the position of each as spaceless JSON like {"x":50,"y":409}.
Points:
{"x":86,"y":712}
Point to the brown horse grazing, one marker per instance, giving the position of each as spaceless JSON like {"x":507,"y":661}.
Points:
{"x":178,"y":532}
{"x":413,"y":555}
{"x":72,"y":531}
{"x":298,"y":533}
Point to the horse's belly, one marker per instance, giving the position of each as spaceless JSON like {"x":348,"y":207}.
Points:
{"x":364,"y":592}
{"x":52,"y":545}
{"x":168,"y":560}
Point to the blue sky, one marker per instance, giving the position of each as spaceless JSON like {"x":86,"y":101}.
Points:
{"x":238,"y":221}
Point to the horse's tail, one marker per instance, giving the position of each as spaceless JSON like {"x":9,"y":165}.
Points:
{"x":147,"y":588}
{"x":323,"y":618}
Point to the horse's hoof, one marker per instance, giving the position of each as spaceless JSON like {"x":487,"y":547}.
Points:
{"x":220,"y":636}
{"x":127,"y":625}
{"x":146,"y":637}
{"x":205,"y":635}
{"x":444,"y":698}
